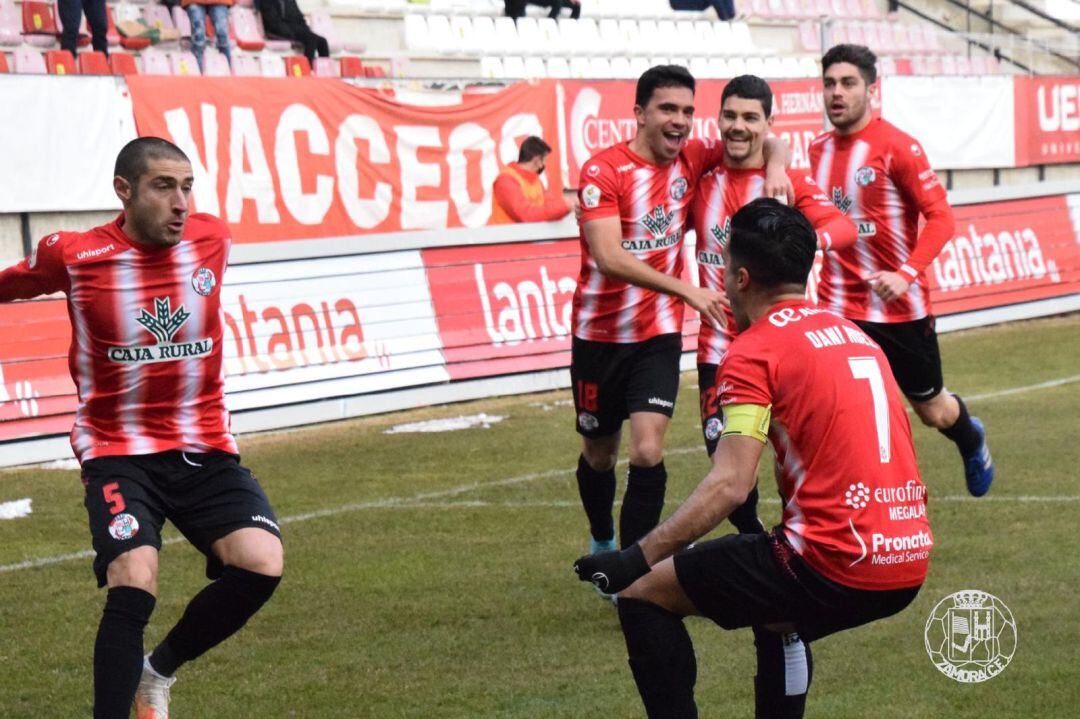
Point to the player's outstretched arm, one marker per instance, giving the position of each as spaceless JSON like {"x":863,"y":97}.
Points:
{"x":42,"y":273}
{"x":777,"y":158}
{"x":604,"y":237}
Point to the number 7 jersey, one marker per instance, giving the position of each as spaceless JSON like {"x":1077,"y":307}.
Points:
{"x":854,"y":503}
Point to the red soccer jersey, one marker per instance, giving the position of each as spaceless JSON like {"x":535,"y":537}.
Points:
{"x":652,"y":203}
{"x":854,"y":504}
{"x":881,"y":179}
{"x":722,"y":193}
{"x":146,"y":335}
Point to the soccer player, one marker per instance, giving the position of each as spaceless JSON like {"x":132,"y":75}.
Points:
{"x":854,"y":543}
{"x":745,"y":120}
{"x":880,"y":177}
{"x":151,"y":430}
{"x":628,"y":307}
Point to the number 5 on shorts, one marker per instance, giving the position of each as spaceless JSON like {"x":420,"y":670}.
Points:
{"x":868,"y":368}
{"x":113,"y":498}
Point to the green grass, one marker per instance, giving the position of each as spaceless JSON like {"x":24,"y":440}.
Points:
{"x":464,"y":605}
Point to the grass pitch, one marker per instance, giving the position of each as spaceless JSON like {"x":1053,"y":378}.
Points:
{"x":429,"y":575}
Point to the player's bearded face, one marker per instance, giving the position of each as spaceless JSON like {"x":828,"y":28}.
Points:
{"x":846,"y":94}
{"x":159,"y":204}
{"x":734,"y":292}
{"x":743,"y":127}
{"x":666,"y":121}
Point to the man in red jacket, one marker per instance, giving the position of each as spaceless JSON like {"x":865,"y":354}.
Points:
{"x":519,"y":195}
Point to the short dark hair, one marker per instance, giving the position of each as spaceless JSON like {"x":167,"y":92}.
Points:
{"x":749,"y":87}
{"x":860,"y":56}
{"x":661,"y":76}
{"x":774,"y":242}
{"x":533,"y":147}
{"x":132,"y":161}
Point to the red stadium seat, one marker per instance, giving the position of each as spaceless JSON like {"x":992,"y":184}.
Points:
{"x":122,"y":63}
{"x":374,"y":71}
{"x":60,"y":62}
{"x":297,"y":66}
{"x":247,"y":29}
{"x":3,"y":64}
{"x":39,"y":23}
{"x":93,"y":63}
{"x":352,"y":67}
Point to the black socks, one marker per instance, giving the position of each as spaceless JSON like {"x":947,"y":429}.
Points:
{"x":118,"y":651}
{"x":642,"y":503}
{"x":963,"y":431}
{"x":214,"y":614}
{"x":784,"y":670}
{"x":597,"y":490}
{"x":661,"y":659}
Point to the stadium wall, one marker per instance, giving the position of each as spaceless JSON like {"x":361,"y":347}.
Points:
{"x":315,"y":334}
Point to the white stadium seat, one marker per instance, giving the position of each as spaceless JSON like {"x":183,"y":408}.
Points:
{"x":484,"y":38}
{"x":621,"y":68}
{"x":535,"y":68}
{"x":667,"y":36}
{"x":699,"y":68}
{"x":736,"y":66}
{"x":689,"y":41}
{"x":771,"y":68}
{"x":638,"y":65}
{"x":611,"y":37}
{"x":506,"y":35}
{"x":440,"y":36}
{"x":579,"y":67}
{"x":755,"y":66}
{"x":416,"y":34}
{"x":588,"y":39}
{"x":514,"y":66}
{"x":529,"y":39}
{"x":461,"y":27}
{"x":631,"y":35}
{"x":569,"y":35}
{"x":491,"y":68}
{"x":741,"y":41}
{"x":558,"y":67}
{"x":600,"y":67}
{"x":718,"y":68}
{"x":549,"y":35}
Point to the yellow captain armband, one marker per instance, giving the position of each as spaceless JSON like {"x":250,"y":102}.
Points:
{"x":747,"y":420}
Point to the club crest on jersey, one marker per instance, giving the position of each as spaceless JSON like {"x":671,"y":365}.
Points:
{"x":865,"y":176}
{"x":163,"y":325}
{"x":657,"y":222}
{"x":843,"y":202}
{"x":203,"y":281}
{"x":678,"y":188}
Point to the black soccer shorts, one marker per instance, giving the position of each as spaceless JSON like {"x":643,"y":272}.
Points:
{"x":744,"y":580}
{"x":611,"y":381}
{"x":913,"y":353}
{"x":206,"y":496}
{"x":712,"y":416}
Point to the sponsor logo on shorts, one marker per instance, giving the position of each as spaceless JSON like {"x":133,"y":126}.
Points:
{"x":678,"y":188}
{"x":587,"y":422}
{"x":661,"y":402}
{"x":265,"y":520}
{"x":713,"y":428}
{"x":590,"y":196}
{"x":971,"y":636}
{"x":865,"y":176}
{"x":123,"y":527}
{"x":203,"y":281}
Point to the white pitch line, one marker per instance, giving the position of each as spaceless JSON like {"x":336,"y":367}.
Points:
{"x":421,"y":500}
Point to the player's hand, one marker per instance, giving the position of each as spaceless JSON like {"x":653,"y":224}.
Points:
{"x":709,"y":303}
{"x":613,"y":572}
{"x":778,"y":185}
{"x":889,"y":285}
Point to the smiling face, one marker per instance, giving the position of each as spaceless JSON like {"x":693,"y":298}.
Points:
{"x":665,"y":122}
{"x":157,"y":206}
{"x":743,"y":127}
{"x":847,"y":97}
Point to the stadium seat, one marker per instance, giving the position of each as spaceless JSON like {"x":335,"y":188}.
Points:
{"x":273,"y":43}
{"x":549,"y":35}
{"x":158,"y":16}
{"x":322,"y":24}
{"x":182,"y":22}
{"x":535,"y":68}
{"x":27,"y":61}
{"x":740,"y":36}
{"x":638,"y":65}
{"x":440,"y":37}
{"x":60,"y":62}
{"x":558,"y":67}
{"x":705,"y":34}
{"x":529,"y":39}
{"x":215,"y":64}
{"x":352,"y":67}
{"x":39,"y":24}
{"x":182,"y":64}
{"x":699,"y":67}
{"x":491,"y":68}
{"x":680,"y":61}
{"x":121,"y":63}
{"x":416,"y":34}
{"x":92,"y":63}
{"x":621,"y":69}
{"x":579,"y":67}
{"x":297,"y":66}
{"x":810,"y":36}
{"x":718,"y":68}
{"x":483,"y":39}
{"x":790,"y":68}
{"x":600,"y":68}
{"x":588,"y":37}
{"x":569,"y":37}
{"x":271,"y":65}
{"x":155,"y":62}
{"x":246,"y":66}
{"x":4,"y":69}
{"x":514,"y":67}
{"x":689,"y":39}
{"x":668,"y":37}
{"x":506,"y":35}
{"x":612,"y":39}
{"x":461,"y":28}
{"x":246,"y":28}
{"x":10,"y":24}
{"x":737,"y":66}
{"x":128,"y":43}
{"x":326,"y":67}
{"x":374,"y":71}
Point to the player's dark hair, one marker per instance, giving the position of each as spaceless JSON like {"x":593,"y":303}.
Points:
{"x":135,"y":156}
{"x":749,"y":87}
{"x":659,"y":77}
{"x":774,"y":242}
{"x":533,"y":147}
{"x":860,"y":56}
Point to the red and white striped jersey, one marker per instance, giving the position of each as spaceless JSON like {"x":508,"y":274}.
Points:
{"x":146,"y":335}
{"x":653,"y":205}
{"x":854,"y":502}
{"x":722,"y":193}
{"x":881,"y":179}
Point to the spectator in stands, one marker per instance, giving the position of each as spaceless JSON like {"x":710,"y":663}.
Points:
{"x":283,"y":19}
{"x":725,"y":9}
{"x":519,"y":194}
{"x":218,"y":10}
{"x":71,"y":14}
{"x":516,"y":8}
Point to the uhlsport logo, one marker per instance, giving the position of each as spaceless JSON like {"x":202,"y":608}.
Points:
{"x":971,"y":636}
{"x":163,"y":324}
{"x":203,"y":280}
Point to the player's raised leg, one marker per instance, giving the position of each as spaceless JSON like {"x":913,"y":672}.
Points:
{"x":948,"y":414}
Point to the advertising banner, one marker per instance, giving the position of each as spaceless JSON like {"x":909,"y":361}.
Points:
{"x":1047,"y":120}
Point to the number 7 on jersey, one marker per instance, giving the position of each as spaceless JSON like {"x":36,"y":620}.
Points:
{"x":867,"y":368}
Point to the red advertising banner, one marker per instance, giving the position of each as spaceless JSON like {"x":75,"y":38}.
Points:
{"x":601,"y":113}
{"x":300,"y":158}
{"x":1047,"y":120}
